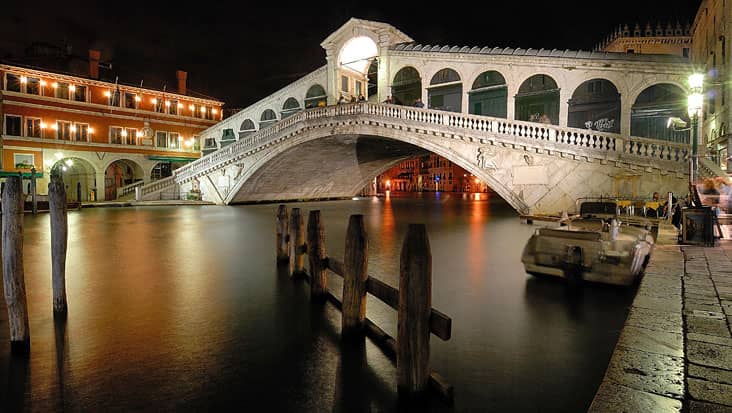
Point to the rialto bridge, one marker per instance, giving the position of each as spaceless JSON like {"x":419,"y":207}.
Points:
{"x":541,"y":127}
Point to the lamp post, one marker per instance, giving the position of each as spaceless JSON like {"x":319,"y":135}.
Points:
{"x":695,"y":102}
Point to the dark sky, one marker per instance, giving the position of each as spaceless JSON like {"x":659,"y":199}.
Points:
{"x":242,"y":51}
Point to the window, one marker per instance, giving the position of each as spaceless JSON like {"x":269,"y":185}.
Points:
{"x":130,"y":136}
{"x":196,"y":143}
{"x":115,"y":135}
{"x":358,"y":88}
{"x":130,"y":102}
{"x":158,"y":103}
{"x":631,"y":51}
{"x":78,"y":93}
{"x":172,"y":106}
{"x":161,"y":139}
{"x":172,"y":140}
{"x":63,"y":130}
{"x":81,"y":133}
{"x":114,"y":97}
{"x":12,"y":82}
{"x":209,"y":143}
{"x":344,"y":83}
{"x":33,"y":127}
{"x":209,"y":113}
{"x":62,"y":90}
{"x":33,"y":86}
{"x":12,"y":125}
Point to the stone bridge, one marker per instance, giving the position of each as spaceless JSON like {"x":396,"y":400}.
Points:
{"x":336,"y":151}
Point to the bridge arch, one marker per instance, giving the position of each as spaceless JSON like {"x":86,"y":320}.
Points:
{"x":290,"y":106}
{"x":595,"y":105}
{"x":267,"y":118}
{"x":78,"y":176}
{"x":489,"y":95}
{"x":445,"y":91}
{"x":118,"y":173}
{"x":315,"y":96}
{"x":537,"y":100}
{"x":247,"y":128}
{"x":652,"y":108}
{"x":406,"y":86}
{"x":264,"y":175}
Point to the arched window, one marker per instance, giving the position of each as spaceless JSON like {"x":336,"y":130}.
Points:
{"x":268,"y":117}
{"x":315,"y":97}
{"x":489,"y":95}
{"x":652,"y":109}
{"x":595,"y":105}
{"x":247,"y":128}
{"x":446,"y":91}
{"x":291,"y":106}
{"x":538,"y":100}
{"x":407,"y":86}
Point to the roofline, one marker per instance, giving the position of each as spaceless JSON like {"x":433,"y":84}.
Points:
{"x":95,"y":82}
{"x":355,"y":20}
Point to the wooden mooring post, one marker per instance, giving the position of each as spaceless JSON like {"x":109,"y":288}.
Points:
{"x":13,"y":275}
{"x":59,"y":239}
{"x":298,"y":248}
{"x":354,"y":277}
{"x":316,"y":256}
{"x":283,"y":236}
{"x":415,"y":306}
{"x":416,"y":318}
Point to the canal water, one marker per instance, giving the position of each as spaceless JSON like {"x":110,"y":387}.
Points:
{"x":182,"y":308}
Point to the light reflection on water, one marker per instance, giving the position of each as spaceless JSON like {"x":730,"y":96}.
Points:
{"x":183,"y":308}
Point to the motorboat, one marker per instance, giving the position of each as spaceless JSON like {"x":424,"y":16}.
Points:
{"x":597,"y":246}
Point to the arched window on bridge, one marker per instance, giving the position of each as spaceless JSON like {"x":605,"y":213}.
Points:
{"x":652,"y":109}
{"x":315,"y":97}
{"x":291,"y":106}
{"x":406,"y":87}
{"x":268,"y":117}
{"x":247,"y":128}
{"x":538,"y":100}
{"x":489,"y":95}
{"x":595,"y":105}
{"x":446,"y":91}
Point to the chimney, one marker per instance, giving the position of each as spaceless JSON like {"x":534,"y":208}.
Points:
{"x":94,"y":63}
{"x":181,"y":75}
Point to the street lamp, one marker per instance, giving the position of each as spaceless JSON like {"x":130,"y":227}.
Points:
{"x":695,"y":103}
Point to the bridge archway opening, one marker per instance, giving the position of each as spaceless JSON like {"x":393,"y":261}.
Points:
{"x":78,"y":177}
{"x":446,"y":91}
{"x":268,"y":117}
{"x":290,"y":106}
{"x":538,"y":100}
{"x":489,"y":95}
{"x":595,"y":105}
{"x":120,"y":173}
{"x":407,"y":86}
{"x":247,"y":128}
{"x":652,"y":109}
{"x":315,"y":97}
{"x":354,"y":61}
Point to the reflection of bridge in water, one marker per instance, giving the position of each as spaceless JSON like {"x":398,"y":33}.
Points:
{"x":336,"y":151}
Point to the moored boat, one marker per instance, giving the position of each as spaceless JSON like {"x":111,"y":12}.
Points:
{"x":597,"y":247}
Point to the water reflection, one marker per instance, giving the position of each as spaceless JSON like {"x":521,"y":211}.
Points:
{"x":185,"y":309}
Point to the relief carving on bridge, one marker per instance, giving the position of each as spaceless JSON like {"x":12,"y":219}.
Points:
{"x":485,"y":158}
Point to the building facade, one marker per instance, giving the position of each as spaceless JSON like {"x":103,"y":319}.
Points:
{"x":670,"y":39}
{"x":711,"y":55}
{"x":102,"y":136}
{"x":429,"y":173}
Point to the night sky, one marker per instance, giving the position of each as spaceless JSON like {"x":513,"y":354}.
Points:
{"x":242,"y":51}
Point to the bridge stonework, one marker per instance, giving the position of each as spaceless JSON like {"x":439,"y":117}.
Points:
{"x":336,"y":151}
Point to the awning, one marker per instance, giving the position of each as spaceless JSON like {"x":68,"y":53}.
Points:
{"x":5,"y":174}
{"x":171,"y":158}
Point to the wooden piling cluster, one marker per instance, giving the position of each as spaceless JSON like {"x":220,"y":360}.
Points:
{"x":12,"y":253}
{"x":412,"y":301}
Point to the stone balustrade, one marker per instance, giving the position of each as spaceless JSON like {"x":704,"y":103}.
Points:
{"x":552,"y":137}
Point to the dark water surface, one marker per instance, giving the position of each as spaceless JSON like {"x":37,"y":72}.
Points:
{"x":182,"y":308}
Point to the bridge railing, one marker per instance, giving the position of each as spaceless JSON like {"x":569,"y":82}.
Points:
{"x":553,"y":135}
{"x":154,"y":186}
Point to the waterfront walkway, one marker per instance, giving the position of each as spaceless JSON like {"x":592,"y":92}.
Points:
{"x":675,"y":351}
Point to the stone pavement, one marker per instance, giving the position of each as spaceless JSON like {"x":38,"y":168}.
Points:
{"x":675,"y":351}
